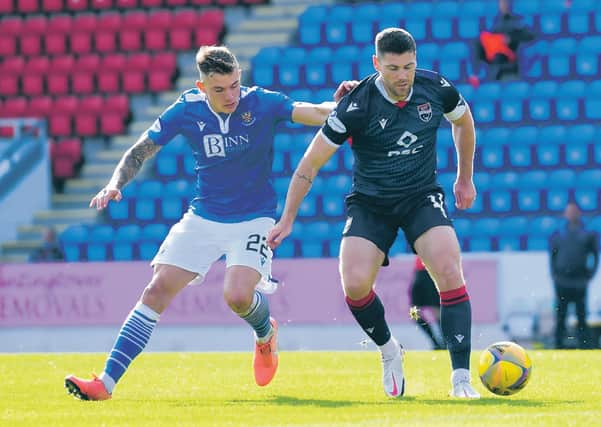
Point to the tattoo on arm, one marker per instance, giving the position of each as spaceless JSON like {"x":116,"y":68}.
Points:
{"x":132,"y":161}
{"x":305,"y":177}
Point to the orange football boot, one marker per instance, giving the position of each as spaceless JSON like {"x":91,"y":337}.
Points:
{"x":93,"y":389}
{"x":265,"y":361}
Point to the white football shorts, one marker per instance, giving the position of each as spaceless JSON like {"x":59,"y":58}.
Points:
{"x":195,"y":243}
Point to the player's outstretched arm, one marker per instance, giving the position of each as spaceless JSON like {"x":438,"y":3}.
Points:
{"x":464,"y":136}
{"x":310,"y":114}
{"x":129,"y":165}
{"x":317,"y":154}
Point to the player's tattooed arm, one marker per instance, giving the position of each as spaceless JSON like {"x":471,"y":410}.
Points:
{"x":132,"y":161}
{"x":305,"y":177}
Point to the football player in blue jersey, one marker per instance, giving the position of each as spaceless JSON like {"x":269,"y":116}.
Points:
{"x":392,"y":118}
{"x":230,"y":129}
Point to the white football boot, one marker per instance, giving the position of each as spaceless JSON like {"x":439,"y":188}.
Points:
{"x":392,"y":372}
{"x":462,"y":387}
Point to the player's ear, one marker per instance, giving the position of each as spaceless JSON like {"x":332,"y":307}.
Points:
{"x":200,"y":85}
{"x":374,"y":60}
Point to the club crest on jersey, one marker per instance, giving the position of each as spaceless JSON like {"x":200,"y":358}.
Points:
{"x":247,"y":118}
{"x":425,"y":112}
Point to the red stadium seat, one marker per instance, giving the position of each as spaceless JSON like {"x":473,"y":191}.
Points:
{"x":62,"y":63}
{"x":108,"y":81}
{"x":114,"y":62}
{"x":179,"y":39}
{"x":205,"y":36}
{"x":27,"y":6}
{"x":151,"y":3}
{"x":60,"y":124}
{"x":57,"y":83}
{"x":140,"y":61}
{"x":38,"y":64}
{"x":126,"y":4}
{"x":211,"y":19}
{"x":9,"y":85}
{"x":82,"y":82}
{"x":105,"y":41}
{"x":133,"y":81}
{"x":109,"y":21}
{"x":32,"y":84}
{"x":161,"y":19}
{"x":66,"y":104}
{"x":102,"y":4}
{"x":226,"y":2}
{"x":186,"y":18}
{"x":14,"y":106}
{"x":90,"y":62}
{"x":52,"y":6}
{"x":92,"y":104}
{"x":202,"y":2}
{"x":130,"y":39}
{"x":81,"y":42}
{"x":8,"y":45}
{"x":35,"y":25}
{"x":164,"y":61}
{"x":31,"y":44}
{"x":40,"y":106}
{"x":118,"y":104}
{"x":7,"y":8}
{"x":85,"y":22}
{"x":155,"y":39}
{"x":76,"y":5}
{"x":13,"y":64}
{"x":86,"y":124}
{"x":135,"y":20}
{"x":111,"y":124}
{"x":55,"y":43}
{"x":59,"y":24}
{"x":11,"y":25}
{"x":176,"y":2}
{"x":71,"y":148}
{"x":159,"y":81}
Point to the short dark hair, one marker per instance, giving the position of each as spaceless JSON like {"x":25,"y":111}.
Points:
{"x":394,"y":40}
{"x":216,"y":59}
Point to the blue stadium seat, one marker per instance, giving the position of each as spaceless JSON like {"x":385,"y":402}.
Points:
{"x":309,"y":34}
{"x":587,"y":65}
{"x":342,"y":71}
{"x":482,"y":181}
{"x":550,"y":24}
{"x":511,"y":111}
{"x":368,"y":12}
{"x":442,"y":158}
{"x":428,"y":51}
{"x":315,"y":74}
{"x":484,"y":112}
{"x":562,"y":179}
{"x":567,"y":108}
{"x":279,"y":162}
{"x":314,"y":15}
{"x":145,"y":210}
{"x":394,"y":10}
{"x":508,"y":244}
{"x":341,"y":13}
{"x":516,"y":90}
{"x":289,"y":75}
{"x":166,"y":164}
{"x":336,"y":32}
{"x":263,"y":75}
{"x":468,"y":27}
{"x":286,"y":249}
{"x":553,"y":134}
{"x":548,"y":154}
{"x":442,"y":27}
{"x":520,"y":156}
{"x":180,"y":187}
{"x":539,"y":109}
{"x":334,"y":247}
{"x":283,"y":141}
{"x":578,"y":23}
{"x":446,"y":180}
{"x":589,"y":179}
{"x":119,"y":211}
{"x":490,"y":91}
{"x":527,"y":135}
{"x":557,"y":200}
{"x":564,"y":46}
{"x":590,"y":45}
{"x":534,"y":243}
{"x":576,"y":154}
{"x":492,"y":156}
{"x":505,"y":181}
{"x":500,"y":201}
{"x":587,"y":199}
{"x":543,"y":226}
{"x":126,"y":237}
{"x":362,"y":32}
{"x":311,"y":249}
{"x":572,"y":89}
{"x":533,"y":180}
{"x":462,"y":227}
{"x":333,"y":206}
{"x":150,"y":239}
{"x":544,"y":89}
{"x":338,"y":184}
{"x":592,"y":109}
{"x":496,"y":137}
{"x":583,"y":6}
{"x":529,"y":200}
{"x":99,"y":240}
{"x":513,"y":226}
{"x":308,"y":207}
{"x":172,"y":208}
{"x":559,"y":66}
{"x":530,"y":7}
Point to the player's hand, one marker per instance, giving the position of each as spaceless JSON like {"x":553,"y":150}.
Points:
{"x":101,"y":200}
{"x":344,"y":88}
{"x":278,"y":233}
{"x":465,"y":193}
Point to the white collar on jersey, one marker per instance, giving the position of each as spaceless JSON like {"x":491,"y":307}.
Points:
{"x":382,"y":89}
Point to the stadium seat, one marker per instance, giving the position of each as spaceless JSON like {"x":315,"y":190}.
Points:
{"x":529,"y":200}
{"x":500,"y":201}
{"x":567,"y":108}
{"x":99,"y":242}
{"x":587,"y":199}
{"x":539,"y":109}
{"x":72,"y":240}
{"x":556,"y":200}
{"x":561,"y":179}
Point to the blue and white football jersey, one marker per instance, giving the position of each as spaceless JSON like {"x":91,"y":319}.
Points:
{"x":233,"y":153}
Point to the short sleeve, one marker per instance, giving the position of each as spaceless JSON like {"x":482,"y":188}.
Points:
{"x":454,"y":106}
{"x":168,"y":124}
{"x":279,"y":105}
{"x":342,"y":120}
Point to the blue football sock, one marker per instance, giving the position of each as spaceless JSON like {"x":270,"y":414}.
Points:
{"x":132,"y":339}
{"x":257,"y":315}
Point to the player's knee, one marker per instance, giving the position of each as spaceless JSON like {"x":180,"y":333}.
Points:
{"x":156,"y":295}
{"x":238,"y":299}
{"x":448,"y":274}
{"x":357,"y":284}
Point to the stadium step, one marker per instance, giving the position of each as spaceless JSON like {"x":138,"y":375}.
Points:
{"x":35,"y":232}
{"x":89,"y":186}
{"x":61,"y":216}
{"x":98,"y":170}
{"x":20,"y":247}
{"x":69,"y":201}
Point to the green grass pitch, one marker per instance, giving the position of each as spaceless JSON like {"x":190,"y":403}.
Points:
{"x":310,"y":389}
